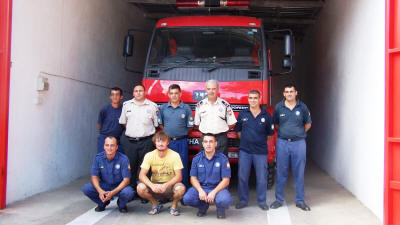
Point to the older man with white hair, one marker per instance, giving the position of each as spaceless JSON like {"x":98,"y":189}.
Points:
{"x":214,"y":115}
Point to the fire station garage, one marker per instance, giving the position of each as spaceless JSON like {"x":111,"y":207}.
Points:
{"x":59,"y":59}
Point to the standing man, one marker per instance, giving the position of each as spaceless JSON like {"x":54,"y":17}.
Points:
{"x":253,"y":128}
{"x":166,"y":175}
{"x":110,"y":177}
{"x":176,"y":119}
{"x":214,"y":115}
{"x":139,"y":116}
{"x":210,"y":175}
{"x":107,"y":122}
{"x":292,"y":120}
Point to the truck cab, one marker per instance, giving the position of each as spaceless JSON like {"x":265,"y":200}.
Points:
{"x":190,"y":50}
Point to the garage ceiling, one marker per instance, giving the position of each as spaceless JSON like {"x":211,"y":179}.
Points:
{"x":294,"y":14}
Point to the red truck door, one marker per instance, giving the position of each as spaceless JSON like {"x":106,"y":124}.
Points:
{"x":392,"y":114}
{"x":5,"y":39}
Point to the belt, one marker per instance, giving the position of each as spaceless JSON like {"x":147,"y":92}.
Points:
{"x":131,"y":139}
{"x":219,"y":134}
{"x":292,"y":139}
{"x":179,"y":138}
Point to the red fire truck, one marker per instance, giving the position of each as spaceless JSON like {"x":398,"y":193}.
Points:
{"x":189,"y":50}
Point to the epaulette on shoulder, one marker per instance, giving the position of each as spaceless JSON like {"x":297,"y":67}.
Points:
{"x":199,"y":103}
{"x":225,"y":103}
{"x":197,"y":154}
{"x":126,"y":102}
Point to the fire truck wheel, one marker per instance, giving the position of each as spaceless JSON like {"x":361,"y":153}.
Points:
{"x":271,"y":174}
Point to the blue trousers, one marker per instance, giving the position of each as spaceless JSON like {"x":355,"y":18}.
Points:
{"x":261,"y":167}
{"x":294,"y":154}
{"x":124,"y":195}
{"x":222,"y":199}
{"x":100,"y":144}
{"x":181,"y":147}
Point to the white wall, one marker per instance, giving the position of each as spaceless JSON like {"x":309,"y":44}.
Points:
{"x":80,"y":42}
{"x":347,"y":100}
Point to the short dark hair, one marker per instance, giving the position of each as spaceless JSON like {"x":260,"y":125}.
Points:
{"x":116,"y":89}
{"x":174,"y":86}
{"x":290,"y":85}
{"x":254,"y":91}
{"x":162,"y":135}
{"x":112,"y":138}
{"x":141,"y":85}
{"x":210,"y":135}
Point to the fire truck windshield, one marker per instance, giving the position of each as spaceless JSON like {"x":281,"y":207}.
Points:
{"x":205,"y":46}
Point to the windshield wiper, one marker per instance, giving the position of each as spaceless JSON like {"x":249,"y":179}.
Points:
{"x":217,"y":65}
{"x":179,"y":63}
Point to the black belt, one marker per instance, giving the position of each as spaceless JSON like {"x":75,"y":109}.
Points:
{"x":179,"y":138}
{"x":131,"y":139}
{"x":217,"y":135}
{"x":292,"y":139}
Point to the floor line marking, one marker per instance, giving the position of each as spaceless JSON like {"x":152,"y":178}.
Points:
{"x":279,"y":216}
{"x":92,"y":217}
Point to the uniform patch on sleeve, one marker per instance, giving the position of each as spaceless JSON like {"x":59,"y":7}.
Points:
{"x":129,"y":166}
{"x":228,"y":165}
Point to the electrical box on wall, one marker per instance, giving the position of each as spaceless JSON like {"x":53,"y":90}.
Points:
{"x":42,"y":83}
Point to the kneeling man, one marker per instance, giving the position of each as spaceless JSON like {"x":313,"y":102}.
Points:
{"x":210,"y":175}
{"x":111,"y":175}
{"x":166,"y":175}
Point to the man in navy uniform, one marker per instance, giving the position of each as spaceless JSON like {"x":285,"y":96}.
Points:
{"x":292,"y":120}
{"x":176,"y":119}
{"x":253,"y":127}
{"x":110,"y":177}
{"x":210,"y":175}
{"x":108,"y":120}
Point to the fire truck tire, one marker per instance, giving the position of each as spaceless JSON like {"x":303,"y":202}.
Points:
{"x":271,"y":174}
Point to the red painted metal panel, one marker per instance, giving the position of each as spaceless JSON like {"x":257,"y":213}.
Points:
{"x":233,"y":92}
{"x":5,"y":39}
{"x":191,"y":21}
{"x":392,"y":114}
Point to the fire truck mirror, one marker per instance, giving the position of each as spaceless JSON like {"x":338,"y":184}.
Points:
{"x":288,"y":45}
{"x":128,"y":45}
{"x":286,"y":63}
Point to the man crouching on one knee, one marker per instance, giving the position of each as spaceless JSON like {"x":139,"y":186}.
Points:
{"x":166,"y":175}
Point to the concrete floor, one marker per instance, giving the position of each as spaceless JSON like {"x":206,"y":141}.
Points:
{"x":330,"y":204}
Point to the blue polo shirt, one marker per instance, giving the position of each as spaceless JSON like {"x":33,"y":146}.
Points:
{"x":291,"y":122}
{"x":210,"y":172}
{"x":176,"y":120}
{"x":254,"y":131}
{"x":109,"y":120}
{"x":111,"y":171}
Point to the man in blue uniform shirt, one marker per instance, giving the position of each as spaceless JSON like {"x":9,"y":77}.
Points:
{"x":108,"y":120}
{"x":292,"y":120}
{"x":176,"y":119}
{"x":110,"y":177}
{"x":253,"y":127}
{"x":210,"y":175}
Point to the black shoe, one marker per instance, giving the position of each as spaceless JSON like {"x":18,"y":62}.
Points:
{"x":123,"y":209}
{"x":221,"y":215}
{"x":303,"y":206}
{"x":202,"y":213}
{"x":101,"y":208}
{"x":263,"y":207}
{"x":275,"y":205}
{"x":240,"y":206}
